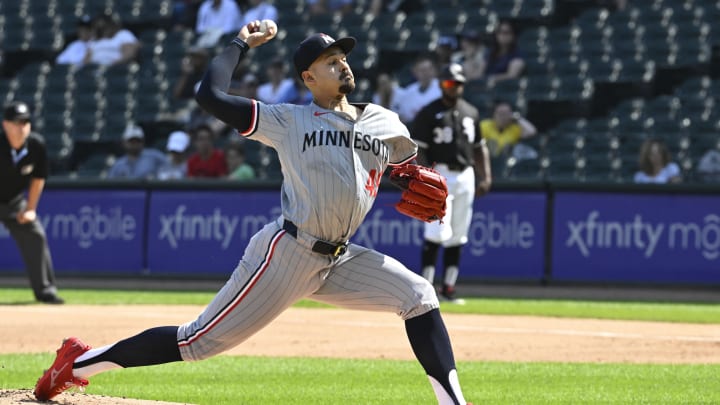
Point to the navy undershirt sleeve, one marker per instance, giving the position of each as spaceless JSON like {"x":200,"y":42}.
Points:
{"x":212,"y":95}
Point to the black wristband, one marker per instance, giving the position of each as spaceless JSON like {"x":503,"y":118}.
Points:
{"x":244,"y":47}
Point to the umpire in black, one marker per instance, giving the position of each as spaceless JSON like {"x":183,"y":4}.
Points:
{"x":24,"y":166}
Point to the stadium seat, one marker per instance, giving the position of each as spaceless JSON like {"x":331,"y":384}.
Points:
{"x":561,"y":168}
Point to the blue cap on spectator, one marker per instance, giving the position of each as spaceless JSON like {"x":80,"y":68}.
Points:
{"x":447,"y":40}
{"x":472,"y":35}
{"x":84,"y":21}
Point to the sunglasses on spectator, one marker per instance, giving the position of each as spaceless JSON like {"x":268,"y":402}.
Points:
{"x":450,"y":84}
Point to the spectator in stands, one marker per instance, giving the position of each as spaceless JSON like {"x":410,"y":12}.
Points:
{"x":259,"y":10}
{"x":503,"y":60}
{"x":471,"y":54}
{"x":656,"y":165}
{"x":246,"y":87}
{"x":207,"y":161}
{"x":387,"y":92}
{"x":330,"y":6}
{"x":444,"y":49}
{"x":505,"y":129}
{"x":113,"y":45}
{"x":418,"y":94}
{"x":278,"y":85}
{"x":377,"y":7}
{"x":76,"y":51}
{"x":708,"y":168}
{"x":298,"y":93}
{"x":222,"y":16}
{"x":139,"y":162}
{"x":176,"y":167}
{"x":238,"y":168}
{"x":200,"y":117}
{"x":184,"y":13}
{"x":192,"y":68}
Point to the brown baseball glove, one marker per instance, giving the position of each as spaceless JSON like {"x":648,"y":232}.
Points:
{"x":424,"y":192}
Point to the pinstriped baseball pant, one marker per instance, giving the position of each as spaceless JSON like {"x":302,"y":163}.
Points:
{"x":277,"y":270}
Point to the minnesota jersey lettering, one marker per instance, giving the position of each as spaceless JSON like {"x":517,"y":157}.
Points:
{"x":342,"y":138}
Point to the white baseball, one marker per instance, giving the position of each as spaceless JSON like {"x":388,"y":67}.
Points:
{"x":265,"y":25}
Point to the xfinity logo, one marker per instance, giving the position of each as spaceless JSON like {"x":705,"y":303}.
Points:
{"x":195,"y":227}
{"x":378,"y":230}
{"x":644,"y":236}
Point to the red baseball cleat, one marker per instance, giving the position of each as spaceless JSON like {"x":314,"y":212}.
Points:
{"x":59,"y":376}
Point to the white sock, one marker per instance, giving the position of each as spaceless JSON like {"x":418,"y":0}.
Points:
{"x":443,"y":397}
{"x":429,"y":273}
{"x":451,"y":275}
{"x":91,"y":370}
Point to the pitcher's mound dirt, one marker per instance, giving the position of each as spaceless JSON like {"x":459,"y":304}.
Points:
{"x":24,"y":397}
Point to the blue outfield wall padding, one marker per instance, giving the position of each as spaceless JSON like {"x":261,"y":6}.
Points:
{"x":607,"y":236}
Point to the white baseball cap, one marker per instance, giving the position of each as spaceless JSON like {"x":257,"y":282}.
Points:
{"x":133,"y":131}
{"x":178,"y":141}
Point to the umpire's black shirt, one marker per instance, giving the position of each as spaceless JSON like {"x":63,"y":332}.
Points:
{"x":18,"y":167}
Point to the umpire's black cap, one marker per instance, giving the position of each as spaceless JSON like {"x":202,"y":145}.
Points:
{"x":16,"y":111}
{"x":453,"y":71}
{"x":314,"y":45}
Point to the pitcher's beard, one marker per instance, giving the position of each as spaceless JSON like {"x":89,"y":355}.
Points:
{"x":347,"y":88}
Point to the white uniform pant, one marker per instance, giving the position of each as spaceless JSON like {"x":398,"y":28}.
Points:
{"x":453,"y":231}
{"x":277,"y":270}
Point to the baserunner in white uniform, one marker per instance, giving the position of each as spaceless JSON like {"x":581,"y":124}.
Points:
{"x":333,"y":155}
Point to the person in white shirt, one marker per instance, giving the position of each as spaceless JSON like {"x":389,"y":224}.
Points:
{"x":656,"y":165}
{"x":115,"y":45}
{"x":278,"y":85}
{"x":176,"y":166}
{"x":387,"y":92}
{"x":259,"y":10}
{"x":420,"y":93}
{"x":76,"y":51}
{"x":218,"y":15}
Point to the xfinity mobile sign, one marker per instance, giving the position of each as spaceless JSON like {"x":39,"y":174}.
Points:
{"x":88,"y":230}
{"x":626,"y":237}
{"x":596,"y":236}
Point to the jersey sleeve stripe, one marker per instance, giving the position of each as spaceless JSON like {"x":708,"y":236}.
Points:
{"x":402,"y":162}
{"x":253,"y":120}
{"x":242,"y":293}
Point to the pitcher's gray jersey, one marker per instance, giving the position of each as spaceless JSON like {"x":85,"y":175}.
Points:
{"x":331,"y":164}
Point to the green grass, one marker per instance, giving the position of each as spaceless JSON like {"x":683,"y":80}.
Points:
{"x":646,"y":311}
{"x":302,"y":381}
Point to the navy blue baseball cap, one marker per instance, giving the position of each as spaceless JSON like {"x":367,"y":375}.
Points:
{"x":16,"y":111}
{"x":314,"y":45}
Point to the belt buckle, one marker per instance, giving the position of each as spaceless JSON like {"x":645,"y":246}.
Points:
{"x":340,"y":249}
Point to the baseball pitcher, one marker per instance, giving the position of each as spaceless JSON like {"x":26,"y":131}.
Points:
{"x":333,"y":155}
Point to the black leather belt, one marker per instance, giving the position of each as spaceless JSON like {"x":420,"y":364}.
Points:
{"x":322,"y":247}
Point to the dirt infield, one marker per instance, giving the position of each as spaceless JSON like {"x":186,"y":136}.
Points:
{"x":357,"y":334}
